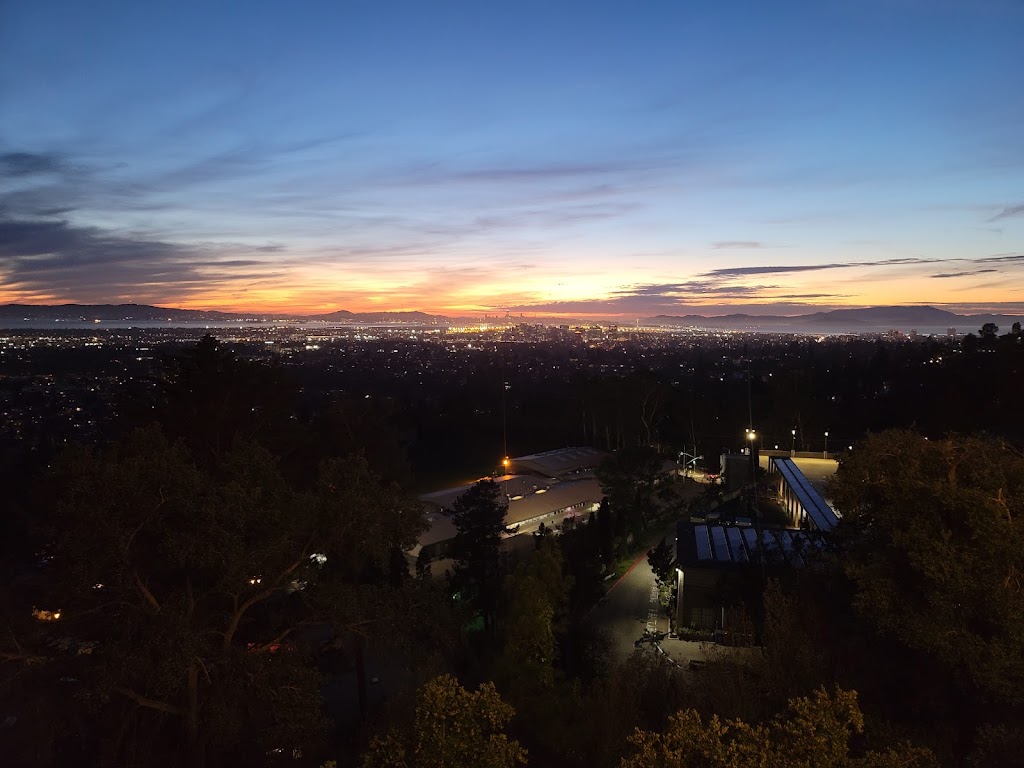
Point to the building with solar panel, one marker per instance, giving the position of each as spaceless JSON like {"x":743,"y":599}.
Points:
{"x":707,"y":553}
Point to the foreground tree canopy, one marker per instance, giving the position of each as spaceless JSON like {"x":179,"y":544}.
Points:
{"x":190,"y":590}
{"x":814,"y":732}
{"x":184,"y":590}
{"x":453,"y":728}
{"x":934,"y":543}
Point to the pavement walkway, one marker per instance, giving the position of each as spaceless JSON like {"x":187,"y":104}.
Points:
{"x":630,"y":611}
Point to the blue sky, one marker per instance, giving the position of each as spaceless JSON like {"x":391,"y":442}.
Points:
{"x":587,"y":158}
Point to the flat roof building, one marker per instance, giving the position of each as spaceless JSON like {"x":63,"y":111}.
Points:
{"x":562,"y":463}
{"x":530,"y":501}
{"x":511,"y":485}
{"x":706,"y":552}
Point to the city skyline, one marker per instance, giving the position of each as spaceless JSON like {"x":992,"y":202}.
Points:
{"x":589,"y":159}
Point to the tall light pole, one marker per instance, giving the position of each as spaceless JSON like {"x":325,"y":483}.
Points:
{"x":826,"y":444}
{"x":751,"y":437}
{"x":754,"y":506}
{"x":692,"y":461}
{"x":793,"y":451}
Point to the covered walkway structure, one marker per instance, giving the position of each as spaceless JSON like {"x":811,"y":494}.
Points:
{"x":805,"y":505}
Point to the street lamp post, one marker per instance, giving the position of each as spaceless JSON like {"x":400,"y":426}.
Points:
{"x":793,"y":451}
{"x":754,"y":506}
{"x":751,"y":436}
{"x":826,"y":444}
{"x":688,"y":465}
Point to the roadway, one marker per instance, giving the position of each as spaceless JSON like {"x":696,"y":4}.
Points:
{"x":630,"y":610}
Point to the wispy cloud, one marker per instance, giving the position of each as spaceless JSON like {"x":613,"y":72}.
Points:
{"x":61,"y":261}
{"x":737,"y":244}
{"x":694,"y":289}
{"x":548,"y":172}
{"x":20,"y":164}
{"x":731,"y":272}
{"x":770,"y":270}
{"x":964,"y":274}
{"x":1008,"y":258}
{"x":1008,"y":212}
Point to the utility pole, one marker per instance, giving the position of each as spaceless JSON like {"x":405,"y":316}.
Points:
{"x":750,"y":403}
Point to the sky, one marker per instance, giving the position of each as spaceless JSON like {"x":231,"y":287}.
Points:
{"x":548,"y":158}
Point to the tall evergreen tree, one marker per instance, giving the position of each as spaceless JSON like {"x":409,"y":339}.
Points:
{"x":628,"y":479}
{"x":479,"y":517}
{"x":662,"y":560}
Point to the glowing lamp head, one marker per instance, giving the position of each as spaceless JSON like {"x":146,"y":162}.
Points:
{"x":751,"y":435}
{"x":505,"y":462}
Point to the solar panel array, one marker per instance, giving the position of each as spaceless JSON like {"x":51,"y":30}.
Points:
{"x":821,"y":515}
{"x":703,"y":543}
{"x":725,"y":544}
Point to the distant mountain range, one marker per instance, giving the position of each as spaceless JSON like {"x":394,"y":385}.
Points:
{"x":126,"y":313}
{"x":865,"y":320}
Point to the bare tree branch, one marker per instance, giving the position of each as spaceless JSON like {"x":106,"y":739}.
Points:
{"x":145,"y":701}
{"x":28,"y":658}
{"x":239,"y":612}
{"x":275,"y":641}
{"x":144,"y":590}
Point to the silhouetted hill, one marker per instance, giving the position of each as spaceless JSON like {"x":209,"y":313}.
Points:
{"x":862,"y":319}
{"x":927,"y":319}
{"x":344,"y":316}
{"x":119,"y":313}
{"x":106,"y":312}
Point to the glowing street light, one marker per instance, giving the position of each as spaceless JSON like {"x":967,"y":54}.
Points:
{"x":794,"y":441}
{"x":826,"y":443}
{"x":691,"y":460}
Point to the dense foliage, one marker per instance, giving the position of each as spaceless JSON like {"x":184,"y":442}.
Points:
{"x":452,"y":728}
{"x":933,"y":540}
{"x":186,"y":587}
{"x":813,"y":731}
{"x":228,"y":556}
